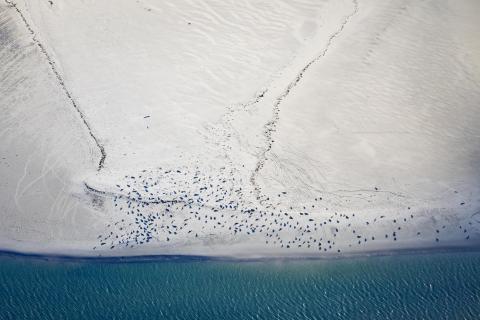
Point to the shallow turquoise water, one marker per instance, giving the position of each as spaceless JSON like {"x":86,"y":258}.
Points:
{"x":435,"y":286}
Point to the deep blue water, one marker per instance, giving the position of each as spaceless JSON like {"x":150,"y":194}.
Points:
{"x":433,"y":286}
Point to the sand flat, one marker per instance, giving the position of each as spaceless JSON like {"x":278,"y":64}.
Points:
{"x":246,"y":128}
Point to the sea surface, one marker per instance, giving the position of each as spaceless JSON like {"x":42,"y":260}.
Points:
{"x":415,"y":286}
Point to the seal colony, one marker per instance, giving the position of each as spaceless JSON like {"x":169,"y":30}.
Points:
{"x":244,"y":129}
{"x":181,"y":206}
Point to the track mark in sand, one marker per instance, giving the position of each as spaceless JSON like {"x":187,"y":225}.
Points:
{"x":127,"y":197}
{"x":61,"y":82}
{"x":271,"y":126}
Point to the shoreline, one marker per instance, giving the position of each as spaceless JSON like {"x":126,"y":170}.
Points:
{"x":12,"y":254}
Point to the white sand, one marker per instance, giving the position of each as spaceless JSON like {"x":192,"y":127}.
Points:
{"x":353,"y":124}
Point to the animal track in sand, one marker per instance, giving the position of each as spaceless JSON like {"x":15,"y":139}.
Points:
{"x":61,"y":82}
{"x":271,"y":126}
